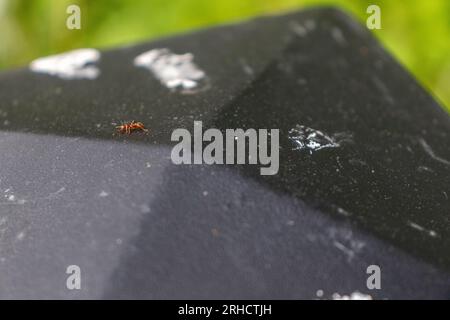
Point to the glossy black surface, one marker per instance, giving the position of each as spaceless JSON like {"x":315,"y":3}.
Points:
{"x":142,"y":227}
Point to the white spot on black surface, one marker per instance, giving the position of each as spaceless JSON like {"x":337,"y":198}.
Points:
{"x":418,"y":227}
{"x":338,"y":36}
{"x":103,"y":194}
{"x":76,"y":64}
{"x":175,"y":71}
{"x":353,"y":296}
{"x":383,"y":89}
{"x":299,"y":29}
{"x":343,"y":212}
{"x":246,"y":67}
{"x":15,"y":200}
{"x":305,"y":138}
{"x":424,"y":169}
{"x":431,"y":153}
{"x":56,"y":193}
{"x":345,"y":242}
{"x":302,"y":30}
{"x":144,"y":208}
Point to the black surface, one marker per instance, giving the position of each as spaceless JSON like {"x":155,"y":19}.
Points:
{"x":318,"y":224}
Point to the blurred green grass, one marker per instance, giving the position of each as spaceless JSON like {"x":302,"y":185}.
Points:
{"x":417,"y":32}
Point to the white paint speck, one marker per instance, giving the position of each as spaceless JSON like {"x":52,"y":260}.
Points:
{"x":172,"y":70}
{"x":430,"y":232}
{"x":343,"y":212}
{"x":415,"y":226}
{"x":426,"y":147}
{"x":60,"y":190}
{"x":310,"y":24}
{"x":298,"y":29}
{"x":305,"y":138}
{"x":319,"y":293}
{"x":246,"y":67}
{"x":205,"y":193}
{"x":302,"y":30}
{"x":103,"y":194}
{"x":70,"y":65}
{"x":386,"y":94}
{"x":354,"y":296}
{"x":345,"y":242}
{"x":20,"y":235}
{"x":338,"y":36}
{"x":144,"y":208}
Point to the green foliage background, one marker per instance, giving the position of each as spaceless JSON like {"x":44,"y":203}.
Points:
{"x":417,"y":32}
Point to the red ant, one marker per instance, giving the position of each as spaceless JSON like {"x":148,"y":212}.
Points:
{"x":130,"y":127}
